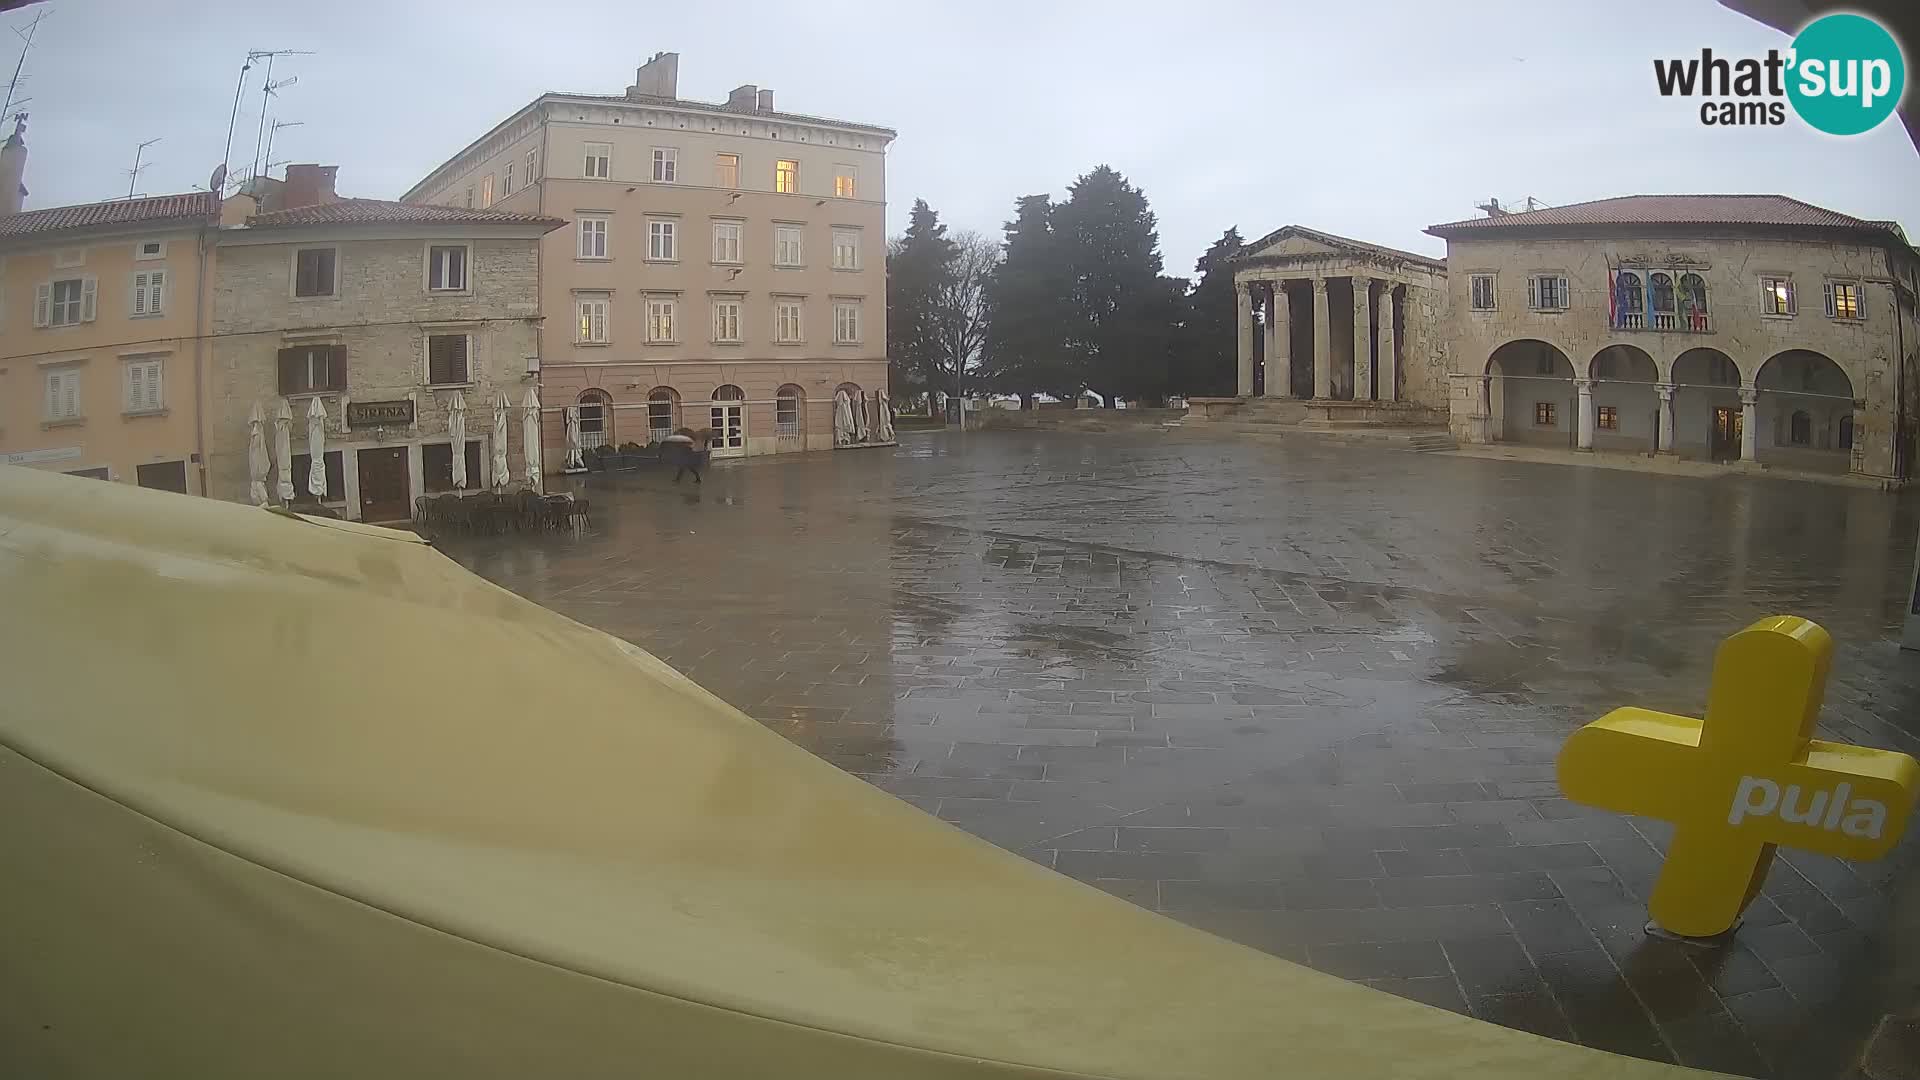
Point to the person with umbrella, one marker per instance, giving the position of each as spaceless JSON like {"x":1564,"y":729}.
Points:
{"x":687,"y":451}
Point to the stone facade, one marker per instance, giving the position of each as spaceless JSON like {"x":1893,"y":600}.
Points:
{"x":727,"y":249}
{"x":1340,"y":321}
{"x":382,"y":313}
{"x":1623,"y":352}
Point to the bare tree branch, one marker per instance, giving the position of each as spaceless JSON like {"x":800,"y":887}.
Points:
{"x":962,"y":307}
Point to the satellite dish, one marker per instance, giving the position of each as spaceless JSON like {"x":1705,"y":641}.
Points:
{"x":218,"y":179}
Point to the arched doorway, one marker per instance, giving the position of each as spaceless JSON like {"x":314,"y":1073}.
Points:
{"x":1707,"y":418}
{"x":1626,"y":408}
{"x":596,"y":418}
{"x":1803,"y":412}
{"x":1530,"y":396}
{"x":729,"y":422}
{"x":663,"y":412}
{"x":790,"y":413}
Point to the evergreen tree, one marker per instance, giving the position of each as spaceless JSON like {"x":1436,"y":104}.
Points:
{"x":919,"y":268}
{"x":1208,"y":362}
{"x":1027,"y":303}
{"x":1121,"y":316}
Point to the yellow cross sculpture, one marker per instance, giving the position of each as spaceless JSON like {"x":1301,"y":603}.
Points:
{"x":1748,"y":777}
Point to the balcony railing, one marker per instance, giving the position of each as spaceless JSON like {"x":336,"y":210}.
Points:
{"x":1666,"y":322}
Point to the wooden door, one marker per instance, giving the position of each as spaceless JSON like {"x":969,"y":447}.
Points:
{"x":384,"y":485}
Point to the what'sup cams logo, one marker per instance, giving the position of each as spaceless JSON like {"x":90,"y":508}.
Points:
{"x":1843,"y":75}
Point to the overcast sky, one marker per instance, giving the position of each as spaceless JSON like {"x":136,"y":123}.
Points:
{"x":1371,"y":119}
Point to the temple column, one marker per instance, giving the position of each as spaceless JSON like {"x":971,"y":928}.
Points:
{"x":1243,"y":308}
{"x":1362,"y":339}
{"x":1389,"y":363}
{"x":1322,"y":329}
{"x":1279,"y":342}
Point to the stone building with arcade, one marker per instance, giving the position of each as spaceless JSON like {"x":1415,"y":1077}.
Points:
{"x":1740,"y":328}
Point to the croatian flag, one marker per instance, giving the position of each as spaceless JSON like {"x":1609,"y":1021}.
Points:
{"x":1613,"y":297}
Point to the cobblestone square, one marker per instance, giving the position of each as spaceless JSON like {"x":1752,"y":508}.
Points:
{"x":1301,"y":693}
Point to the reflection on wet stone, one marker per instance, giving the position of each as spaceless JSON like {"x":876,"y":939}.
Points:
{"x":1302,"y":694}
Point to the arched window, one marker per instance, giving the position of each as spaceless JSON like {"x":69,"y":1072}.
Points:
{"x":788,"y":419}
{"x":596,"y":419}
{"x":1693,"y":301}
{"x":729,"y":392}
{"x":661,"y":401}
{"x":1630,"y":301}
{"x":1662,"y":296}
{"x":1846,"y":432}
{"x":1800,"y":429}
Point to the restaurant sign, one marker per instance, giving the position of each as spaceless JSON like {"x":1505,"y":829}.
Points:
{"x":380,"y":413}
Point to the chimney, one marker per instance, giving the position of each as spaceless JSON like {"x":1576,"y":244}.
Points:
{"x":13,"y":167}
{"x":659,"y":77}
{"x":764,"y":101}
{"x":744,"y":98}
{"x":308,"y":185}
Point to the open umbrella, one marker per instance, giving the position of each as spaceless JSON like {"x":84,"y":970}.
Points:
{"x":283,"y":449}
{"x":257,"y":463}
{"x":842,"y":418}
{"x":457,"y":433}
{"x":530,"y":437}
{"x":317,"y":449}
{"x":575,"y":458}
{"x":501,"y":475}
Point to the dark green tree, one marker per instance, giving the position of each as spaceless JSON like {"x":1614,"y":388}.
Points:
{"x":1028,"y":306}
{"x":1206,"y":360}
{"x":919,"y":268}
{"x":1121,"y":316}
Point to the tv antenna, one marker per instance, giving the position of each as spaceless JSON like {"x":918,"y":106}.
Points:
{"x":267,"y":165}
{"x":268,"y":88}
{"x":254,"y":56}
{"x":133,"y":174}
{"x":19,"y":67}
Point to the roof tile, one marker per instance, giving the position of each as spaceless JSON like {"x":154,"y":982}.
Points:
{"x":154,"y":210}
{"x":385,"y":212}
{"x":1776,"y":210}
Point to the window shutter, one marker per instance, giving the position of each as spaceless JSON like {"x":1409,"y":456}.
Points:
{"x":53,"y":395}
{"x":1533,"y":292}
{"x":336,"y":367}
{"x":135,"y":394}
{"x":139,"y":294}
{"x":156,"y":289}
{"x":153,"y":385}
{"x":290,"y":370}
{"x":1860,"y":302}
{"x":42,"y":305}
{"x":1566,"y":298}
{"x":88,"y":293}
{"x":1831,"y":305}
{"x":1793,"y":299}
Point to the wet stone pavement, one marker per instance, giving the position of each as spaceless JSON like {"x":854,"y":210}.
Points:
{"x":1302,"y":694}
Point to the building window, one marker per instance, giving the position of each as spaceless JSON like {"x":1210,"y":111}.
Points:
{"x":313,"y":369}
{"x":1693,"y":303}
{"x":786,"y":176}
{"x":599,"y":163}
{"x":334,"y":465}
{"x":436,"y":465}
{"x":726,"y":170}
{"x":846,"y":323}
{"x":68,"y":302}
{"x":447,"y":359}
{"x":506,"y":180}
{"x":1608,"y":417}
{"x":486,"y":190}
{"x":660,"y":320}
{"x":593,"y":321}
{"x":1776,"y":296}
{"x":63,"y":394}
{"x":150,"y":249}
{"x":726,"y":320}
{"x":660,"y":241}
{"x":726,"y":241}
{"x":533,"y":165}
{"x":1843,"y":300}
{"x":786,"y":245}
{"x":666,"y":164}
{"x":447,"y":268}
{"x":1629,"y":301}
{"x":1543,"y":413}
{"x":1480,"y":292}
{"x":786,"y":321}
{"x":846,"y":249}
{"x":596,"y":419}
{"x":660,"y":404}
{"x":143,"y":386}
{"x":313,"y":272}
{"x":1800,"y":429}
{"x":150,"y":292}
{"x":843,"y":181}
{"x":592,"y":233}
{"x":1547,"y":292}
{"x":1845,"y":437}
{"x":786,"y":411}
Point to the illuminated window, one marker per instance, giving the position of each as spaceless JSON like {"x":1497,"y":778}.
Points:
{"x":1776,"y":296}
{"x":726,"y":170}
{"x":1608,"y":417}
{"x":786,"y":321}
{"x":660,"y":320}
{"x":1843,"y":300}
{"x":726,"y":320}
{"x":843,"y":181}
{"x":786,"y":176}
{"x":1543,"y":413}
{"x":593,"y":321}
{"x":846,"y":322}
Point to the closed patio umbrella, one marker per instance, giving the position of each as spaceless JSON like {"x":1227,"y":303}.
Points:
{"x":884,"y":412}
{"x":575,"y":458}
{"x":501,"y":475}
{"x":257,"y":463}
{"x":842,"y":418}
{"x":530,"y":437}
{"x":283,"y":450}
{"x":457,"y":433}
{"x":317,"y":449}
{"x":860,"y":429}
